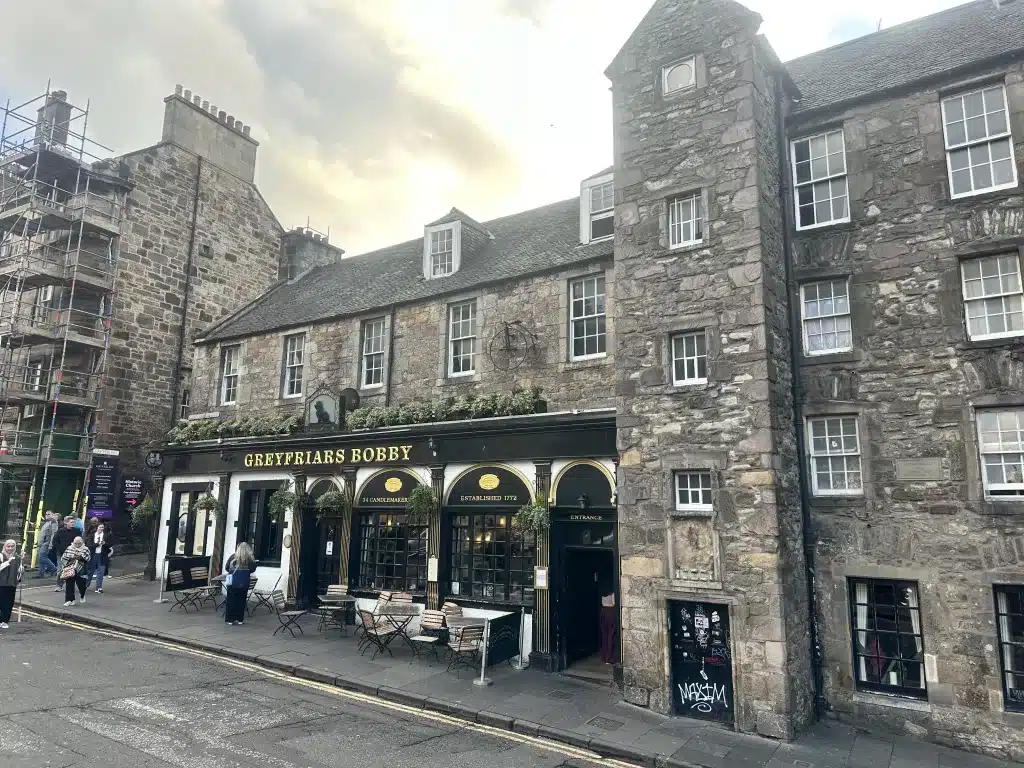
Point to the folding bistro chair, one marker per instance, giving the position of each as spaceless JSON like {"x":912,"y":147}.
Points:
{"x":432,"y":627}
{"x":377,"y":634}
{"x":330,"y":610}
{"x":263,"y":598}
{"x":383,"y":598}
{"x":288,"y":619}
{"x":183,"y":598}
{"x":452,"y":610}
{"x":248,"y":595}
{"x":464,"y":646}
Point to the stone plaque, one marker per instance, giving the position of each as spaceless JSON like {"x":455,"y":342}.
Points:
{"x":693,"y":547}
{"x":919,"y":469}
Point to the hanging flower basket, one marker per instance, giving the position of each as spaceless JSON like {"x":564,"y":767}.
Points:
{"x":142,"y":514}
{"x":421,"y":505}
{"x":534,"y":518}
{"x":280,"y":502}
{"x":210,"y":505}
{"x":331,"y":504}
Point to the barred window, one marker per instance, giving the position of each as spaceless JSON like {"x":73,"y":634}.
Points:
{"x":826,"y":317}
{"x":294,"y":352}
{"x":689,"y":358}
{"x":684,"y":221}
{"x":587,"y":318}
{"x":979,"y":147}
{"x":1001,"y":442}
{"x":442,"y":260}
{"x":491,"y":561}
{"x":392,"y":554}
{"x":993,"y":297}
{"x":693,"y":491}
{"x":1010,"y":612}
{"x":462,"y":338}
{"x":888,"y":646}
{"x":819,"y":180}
{"x":229,"y":374}
{"x":373,"y":353}
{"x":835,"y":456}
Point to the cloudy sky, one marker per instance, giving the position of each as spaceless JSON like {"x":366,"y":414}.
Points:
{"x":376,"y":117}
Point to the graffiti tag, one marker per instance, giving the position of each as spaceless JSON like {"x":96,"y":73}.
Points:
{"x":703,"y":696}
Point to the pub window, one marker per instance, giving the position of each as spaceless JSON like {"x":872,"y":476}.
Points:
{"x":187,"y":530}
{"x":888,"y":647}
{"x":1001,"y":441}
{"x":392,"y":554}
{"x":294,"y":352}
{"x":373,"y":353}
{"x":257,"y":527}
{"x":587,"y":318}
{"x":491,"y":561}
{"x":229,"y":374}
{"x":1010,"y":612}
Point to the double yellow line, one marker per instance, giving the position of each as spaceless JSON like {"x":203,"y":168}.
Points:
{"x":330,"y":690}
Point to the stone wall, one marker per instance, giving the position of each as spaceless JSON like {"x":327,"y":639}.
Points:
{"x":913,"y":382}
{"x":719,"y":139}
{"x":420,"y":346}
{"x":235,"y":258}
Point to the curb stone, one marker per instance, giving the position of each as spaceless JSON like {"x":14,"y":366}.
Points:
{"x":385,"y":693}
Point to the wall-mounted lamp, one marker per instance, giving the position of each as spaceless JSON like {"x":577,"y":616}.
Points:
{"x":432,"y":445}
{"x":583,"y":501}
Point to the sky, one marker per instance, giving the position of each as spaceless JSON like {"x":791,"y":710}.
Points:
{"x":375,"y":117}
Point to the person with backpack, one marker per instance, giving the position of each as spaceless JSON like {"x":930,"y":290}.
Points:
{"x":239,"y":570}
{"x":61,"y":541}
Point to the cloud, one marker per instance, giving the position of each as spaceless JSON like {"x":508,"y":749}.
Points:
{"x":533,"y":11}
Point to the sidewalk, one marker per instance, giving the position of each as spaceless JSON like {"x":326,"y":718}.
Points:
{"x":533,"y":702}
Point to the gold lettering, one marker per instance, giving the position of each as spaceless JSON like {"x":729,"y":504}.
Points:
{"x":298,"y":459}
{"x":393,"y":453}
{"x":357,"y":456}
{"x":278,"y":456}
{"x":257,"y":460}
{"x":248,"y":460}
{"x":405,"y":451}
{"x":317,"y":458}
{"x":382,"y":455}
{"x":309,"y":457}
{"x":328,"y":457}
{"x":268,"y":459}
{"x":288,"y":458}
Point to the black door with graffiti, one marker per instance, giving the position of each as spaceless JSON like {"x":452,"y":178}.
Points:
{"x":701,"y":661}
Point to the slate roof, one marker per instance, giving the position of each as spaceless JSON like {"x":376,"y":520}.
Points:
{"x":525,"y":243}
{"x":908,"y":53}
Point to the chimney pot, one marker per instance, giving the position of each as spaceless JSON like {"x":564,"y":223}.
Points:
{"x":177,"y":89}
{"x":221,"y":115}
{"x":206,"y":106}
{"x":238,"y":125}
{"x":213,"y":111}
{"x":231,"y":120}
{"x":188,"y":95}
{"x":245,"y":130}
{"x":197,"y":100}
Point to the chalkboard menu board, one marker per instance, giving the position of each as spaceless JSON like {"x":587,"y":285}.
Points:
{"x":102,"y":492}
{"x":701,"y":661}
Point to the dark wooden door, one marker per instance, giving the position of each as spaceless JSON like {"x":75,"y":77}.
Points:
{"x":701,"y":660}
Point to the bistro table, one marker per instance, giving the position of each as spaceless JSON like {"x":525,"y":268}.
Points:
{"x":335,"y":604}
{"x":400,"y":615}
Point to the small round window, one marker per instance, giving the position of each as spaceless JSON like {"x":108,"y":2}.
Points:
{"x":679,"y":76}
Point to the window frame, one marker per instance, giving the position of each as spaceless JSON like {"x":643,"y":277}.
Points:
{"x":376,"y":521}
{"x":1014,"y":491}
{"x":192,"y":521}
{"x":229,"y":351}
{"x":865,"y":685}
{"x":455,"y":228}
{"x":968,"y":143}
{"x":797,"y":185}
{"x":597,"y":316}
{"x":696,"y":223}
{"x":287,"y":368}
{"x":674,"y":360}
{"x":453,"y":340}
{"x":692,"y":61}
{"x":804,"y":319}
{"x":1009,"y":704}
{"x":183,"y":404}
{"x":463,"y":556}
{"x":812,"y":456}
{"x":603,"y":213}
{"x":365,"y":338}
{"x":258,"y":527}
{"x":1015,"y":255}
{"x":447,"y":234}
{"x":701,"y":475}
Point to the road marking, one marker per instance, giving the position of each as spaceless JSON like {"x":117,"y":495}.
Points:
{"x":363,"y":698}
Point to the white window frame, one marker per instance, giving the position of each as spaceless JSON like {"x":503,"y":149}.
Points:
{"x":293,"y":360}
{"x":587,"y":216}
{"x":1005,"y":441}
{"x":677,"y":225}
{"x":456,"y":336}
{"x":34,"y":377}
{"x":455,"y":227}
{"x":1002,"y":295}
{"x":600,"y":312}
{"x":603,"y":213}
{"x":988,"y":140}
{"x":686,"y":359}
{"x":373,"y":347}
{"x":704,"y":486}
{"x":805,"y":319}
{"x":828,"y":177}
{"x":813,"y":454}
{"x":186,"y":396}
{"x":229,"y":378}
{"x":692,"y":61}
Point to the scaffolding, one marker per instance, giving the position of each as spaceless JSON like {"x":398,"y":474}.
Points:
{"x":61,"y":211}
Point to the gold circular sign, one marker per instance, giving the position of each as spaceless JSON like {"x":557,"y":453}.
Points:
{"x":392,"y":485}
{"x":489,"y":482}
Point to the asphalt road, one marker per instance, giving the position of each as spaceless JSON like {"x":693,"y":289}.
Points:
{"x":71,"y":697}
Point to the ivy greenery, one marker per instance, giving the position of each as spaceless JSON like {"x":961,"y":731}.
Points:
{"x":421,"y":505}
{"x":142,"y":514}
{"x":211,"y":505}
{"x":281,"y":501}
{"x":534,"y":517}
{"x":253,"y":426}
{"x":331,"y":504}
{"x":515,"y":403}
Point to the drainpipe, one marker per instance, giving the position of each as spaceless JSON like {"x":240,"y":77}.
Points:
{"x":391,"y":357}
{"x":176,"y":384}
{"x":785,"y":189}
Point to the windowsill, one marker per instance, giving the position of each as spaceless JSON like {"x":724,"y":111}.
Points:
{"x":815,"y":227}
{"x":690,"y":384}
{"x":1006,"y":188}
{"x":838,"y":226}
{"x":372,"y":390}
{"x":589,"y":358}
{"x":836,"y":502}
{"x":683,"y":247}
{"x":483,"y":602}
{"x":832,"y":358}
{"x":895,"y":701}
{"x":292,"y":397}
{"x":993,"y":342}
{"x":992,"y":194}
{"x":1003,"y":506}
{"x":604,"y":239}
{"x":693,"y":512}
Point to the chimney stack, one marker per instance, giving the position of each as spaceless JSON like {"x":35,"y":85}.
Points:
{"x":187,"y":118}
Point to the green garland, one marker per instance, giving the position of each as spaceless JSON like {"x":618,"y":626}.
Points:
{"x":253,"y":426}
{"x":515,"y":403}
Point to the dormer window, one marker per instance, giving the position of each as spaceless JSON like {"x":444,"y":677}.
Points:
{"x":597,"y":208}
{"x":441,"y":246}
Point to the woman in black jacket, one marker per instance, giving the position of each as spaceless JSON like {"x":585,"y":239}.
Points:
{"x":11,"y":571}
{"x":239,"y":569}
{"x":100,"y":547}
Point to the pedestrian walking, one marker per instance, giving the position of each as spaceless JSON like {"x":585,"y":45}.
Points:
{"x":239,"y":569}
{"x":61,"y":541}
{"x":44,"y":560}
{"x":11,"y":571}
{"x":609,"y":622}
{"x":100,"y":548}
{"x":73,"y":564}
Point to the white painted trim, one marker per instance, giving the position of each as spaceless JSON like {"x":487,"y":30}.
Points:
{"x":692,"y":61}
{"x":267,"y":575}
{"x":989,"y":139}
{"x":456,"y":228}
{"x":585,"y":188}
{"x":165,"y":511}
{"x":796,"y":187}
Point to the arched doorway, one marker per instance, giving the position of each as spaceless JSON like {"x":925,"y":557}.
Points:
{"x":389,"y":551}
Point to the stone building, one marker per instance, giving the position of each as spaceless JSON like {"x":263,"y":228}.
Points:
{"x":809,"y":331}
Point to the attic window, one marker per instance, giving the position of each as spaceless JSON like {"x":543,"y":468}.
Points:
{"x":602,"y":210}
{"x":680,"y":76}
{"x":441,"y":249}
